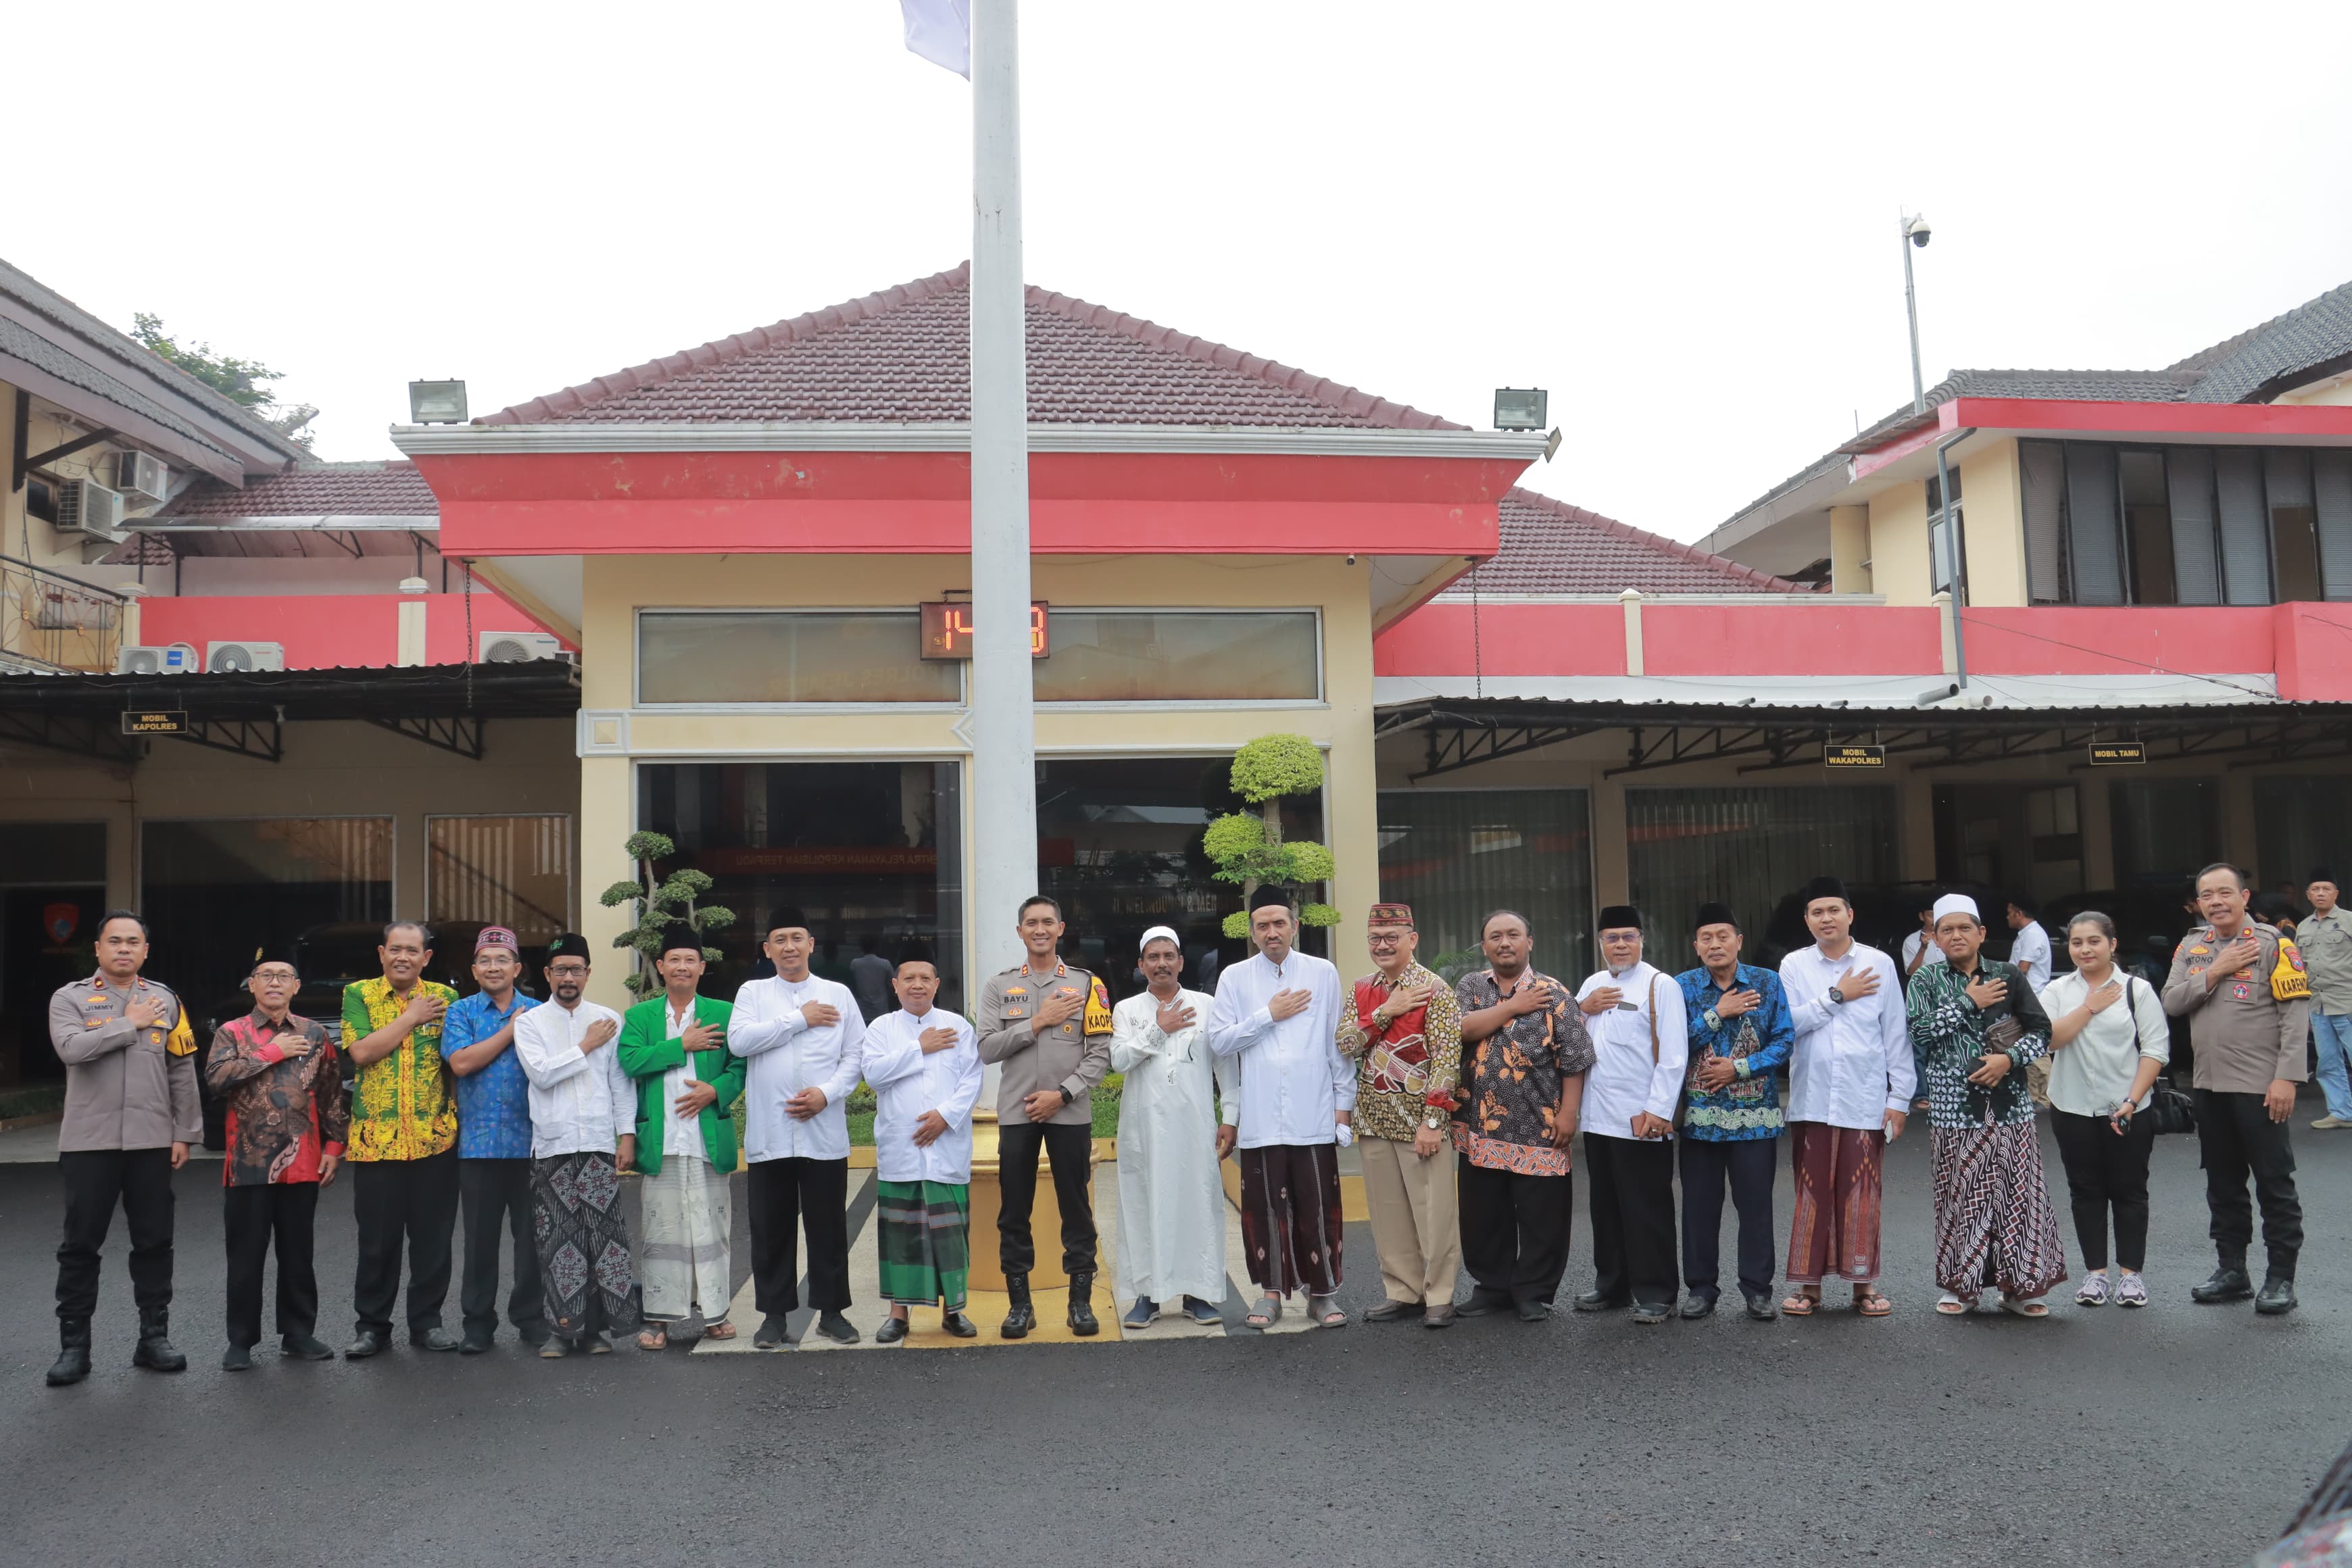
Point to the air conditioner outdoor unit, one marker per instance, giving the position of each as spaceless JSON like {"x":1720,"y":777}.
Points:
{"x":91,"y":509}
{"x":142,"y":475}
{"x":518,"y":647}
{"x":220,"y":657}
{"x":172,"y":659}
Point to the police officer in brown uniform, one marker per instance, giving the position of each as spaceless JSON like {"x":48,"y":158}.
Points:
{"x":130,"y":1114}
{"x":2240,"y":984}
{"x":1047,"y":1024}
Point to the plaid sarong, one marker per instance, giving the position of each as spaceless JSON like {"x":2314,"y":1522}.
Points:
{"x":1994,"y":1222}
{"x":923,"y":1236}
{"x":583,"y":1245}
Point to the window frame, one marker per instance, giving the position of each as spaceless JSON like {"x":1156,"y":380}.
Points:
{"x":1322,"y":698}
{"x":572,"y":873}
{"x":912,"y":705}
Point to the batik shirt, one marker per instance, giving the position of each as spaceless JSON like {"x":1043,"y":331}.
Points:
{"x":1948,"y":1035}
{"x":1407,"y":1068}
{"x":494,"y":1104}
{"x":1757,"y":1042}
{"x":1511,"y":1089}
{"x":403,"y":1109}
{"x":285,"y":1113}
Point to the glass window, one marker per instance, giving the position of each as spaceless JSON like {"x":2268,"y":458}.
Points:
{"x":2147,"y":527}
{"x":789,"y":656}
{"x":1456,"y":856}
{"x":869,"y":854}
{"x":2196,"y":534}
{"x":512,"y":872}
{"x":2095,"y":557}
{"x":2041,"y":471}
{"x":2165,"y":829}
{"x":1188,"y":655}
{"x":2294,"y":523}
{"x":1755,"y":849}
{"x":213,"y":891}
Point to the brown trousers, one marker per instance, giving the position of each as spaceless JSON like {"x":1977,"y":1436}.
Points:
{"x":1416,"y":1220}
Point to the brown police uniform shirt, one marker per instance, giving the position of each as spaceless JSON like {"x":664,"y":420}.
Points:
{"x":1073,"y":1055}
{"x":125,"y":1087}
{"x":2244,"y":1036}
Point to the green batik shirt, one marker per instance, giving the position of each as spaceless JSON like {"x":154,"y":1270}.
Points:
{"x":1947,"y":1037}
{"x":403,"y":1108}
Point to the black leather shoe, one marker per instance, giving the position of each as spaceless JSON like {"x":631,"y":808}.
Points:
{"x":474,"y":1343}
{"x":1392,"y":1311}
{"x":1081,"y":1317}
{"x":961,"y":1327}
{"x":1763,"y":1309}
{"x":2277,"y":1297}
{"x":1698,"y":1306}
{"x":73,"y":1352}
{"x":534,"y":1334}
{"x":1596,"y":1301}
{"x":303,"y":1347}
{"x":1534,"y":1312}
{"x":892,"y":1330}
{"x":1023,"y":1316}
{"x":433,"y":1339}
{"x":155,"y":1350}
{"x":368,"y":1342}
{"x":836,"y":1328}
{"x":237,"y":1358}
{"x":1653,"y":1311}
{"x":772,"y":1335}
{"x":2224,"y":1284}
{"x":1483,"y":1302}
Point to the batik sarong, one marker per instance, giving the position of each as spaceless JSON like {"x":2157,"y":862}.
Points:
{"x":923,"y":1235}
{"x":583,"y":1244}
{"x":687,"y":1219}
{"x":1994,"y":1222}
{"x":1840,"y":1181}
{"x":1290,"y":1216}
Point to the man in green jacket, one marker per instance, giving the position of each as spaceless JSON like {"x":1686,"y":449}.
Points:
{"x":674,"y":1047}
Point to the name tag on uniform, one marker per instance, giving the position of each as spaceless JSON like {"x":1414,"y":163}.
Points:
{"x":1629,"y":1006}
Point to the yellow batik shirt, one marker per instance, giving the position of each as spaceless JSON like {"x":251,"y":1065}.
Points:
{"x":403,"y":1108}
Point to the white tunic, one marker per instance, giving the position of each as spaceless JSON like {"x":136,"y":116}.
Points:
{"x":680,"y":1134}
{"x":906,"y":1083}
{"x":784,"y":1056}
{"x":580,"y":1104}
{"x":1851,"y":1063}
{"x":1293,"y":1081}
{"x":1171,"y":1204}
{"x":1625,"y":1081}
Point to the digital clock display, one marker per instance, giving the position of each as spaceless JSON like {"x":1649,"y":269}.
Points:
{"x":947,"y":630}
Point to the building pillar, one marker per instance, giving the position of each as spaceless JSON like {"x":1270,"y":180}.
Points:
{"x":605,"y":824}
{"x":1914,"y":826}
{"x":1609,"y":870}
{"x":2094,"y":818}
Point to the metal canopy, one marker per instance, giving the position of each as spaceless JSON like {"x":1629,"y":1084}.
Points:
{"x":1464,"y":735}
{"x":245,"y":711}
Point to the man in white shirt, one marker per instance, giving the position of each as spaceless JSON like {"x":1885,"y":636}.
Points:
{"x":924,"y":1065}
{"x":1278,"y":1012}
{"x":1850,"y":1077}
{"x":2028,"y":949}
{"x":1640,"y":1044}
{"x":1919,"y":948}
{"x":584,"y":1118}
{"x":803,"y":1039}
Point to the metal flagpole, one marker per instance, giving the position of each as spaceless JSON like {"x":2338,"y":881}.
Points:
{"x":1003,"y":728}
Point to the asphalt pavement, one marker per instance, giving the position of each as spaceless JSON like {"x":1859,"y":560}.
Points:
{"x":2180,"y":1433}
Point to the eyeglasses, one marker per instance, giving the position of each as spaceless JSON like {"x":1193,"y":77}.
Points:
{"x":275,"y":976}
{"x":1389,"y":940}
{"x":568,"y":971}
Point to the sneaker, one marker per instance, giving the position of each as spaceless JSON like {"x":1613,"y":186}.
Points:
{"x":1142,"y":1315}
{"x":2094,"y":1292}
{"x":1201,"y":1311}
{"x":2331,"y":1121}
{"x":2132,"y":1291}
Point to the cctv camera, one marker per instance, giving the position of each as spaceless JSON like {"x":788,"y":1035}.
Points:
{"x":1916,"y":230}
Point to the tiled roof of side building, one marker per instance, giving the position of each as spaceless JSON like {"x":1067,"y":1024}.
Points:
{"x":903,"y":356}
{"x":1551,"y":547}
{"x":390,"y":488}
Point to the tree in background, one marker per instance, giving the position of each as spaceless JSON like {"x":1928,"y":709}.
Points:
{"x":1251,"y":849}
{"x":238,"y":379}
{"x":660,"y":903}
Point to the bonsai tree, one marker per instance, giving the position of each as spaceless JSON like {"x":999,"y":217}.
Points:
{"x":660,"y":903}
{"x":1251,"y":849}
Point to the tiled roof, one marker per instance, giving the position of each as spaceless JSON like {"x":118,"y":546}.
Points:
{"x":318,"y":489}
{"x":1551,"y":547}
{"x":904,"y":356}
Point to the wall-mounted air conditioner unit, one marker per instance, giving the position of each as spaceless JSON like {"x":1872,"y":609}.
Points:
{"x":171,"y":659}
{"x":518,"y":647}
{"x":84,"y":507}
{"x":142,"y":475}
{"x":236,"y":656}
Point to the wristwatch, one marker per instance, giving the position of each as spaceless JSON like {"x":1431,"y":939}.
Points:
{"x":1837,"y":995}
{"x":1432,"y":1120}
{"x":1067,"y":1096}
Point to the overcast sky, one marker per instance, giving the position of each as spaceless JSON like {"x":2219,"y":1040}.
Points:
{"x":1685,"y":227}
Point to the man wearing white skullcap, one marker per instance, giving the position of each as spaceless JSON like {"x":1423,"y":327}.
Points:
{"x":1172,"y":1204}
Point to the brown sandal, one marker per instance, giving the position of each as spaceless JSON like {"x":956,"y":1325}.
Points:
{"x":653,"y":1338}
{"x":1872,"y":1305}
{"x":721,"y":1329}
{"x":1800,"y":1305}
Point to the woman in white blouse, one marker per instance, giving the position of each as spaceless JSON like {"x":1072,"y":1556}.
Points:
{"x":2109,"y":1039}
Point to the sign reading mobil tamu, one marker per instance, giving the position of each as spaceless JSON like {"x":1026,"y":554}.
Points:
{"x":1836,"y":755}
{"x":2118,"y":753}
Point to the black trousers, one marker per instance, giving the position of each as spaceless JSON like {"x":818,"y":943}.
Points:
{"x":2236,"y":1138}
{"x":495,"y":1196}
{"x":2104,"y":1170}
{"x":1748,"y":1165}
{"x":1070,"y":1148}
{"x":96,"y":1180}
{"x":251,"y":1219}
{"x":1514,"y":1229}
{"x":786,"y":1196}
{"x":397,"y":1200}
{"x":1633,"y":1188}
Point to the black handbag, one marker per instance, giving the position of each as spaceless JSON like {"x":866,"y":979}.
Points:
{"x":2169,"y":1109}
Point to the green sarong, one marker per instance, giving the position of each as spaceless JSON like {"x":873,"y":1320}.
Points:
{"x":924,"y":1240}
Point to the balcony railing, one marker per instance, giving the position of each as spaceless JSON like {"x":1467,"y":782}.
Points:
{"x":49,"y":621}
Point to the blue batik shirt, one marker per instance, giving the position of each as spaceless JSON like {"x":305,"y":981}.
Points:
{"x":1758,"y":1041}
{"x":494,"y":1104}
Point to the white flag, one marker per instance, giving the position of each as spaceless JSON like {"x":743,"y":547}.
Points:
{"x":940,"y":31}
